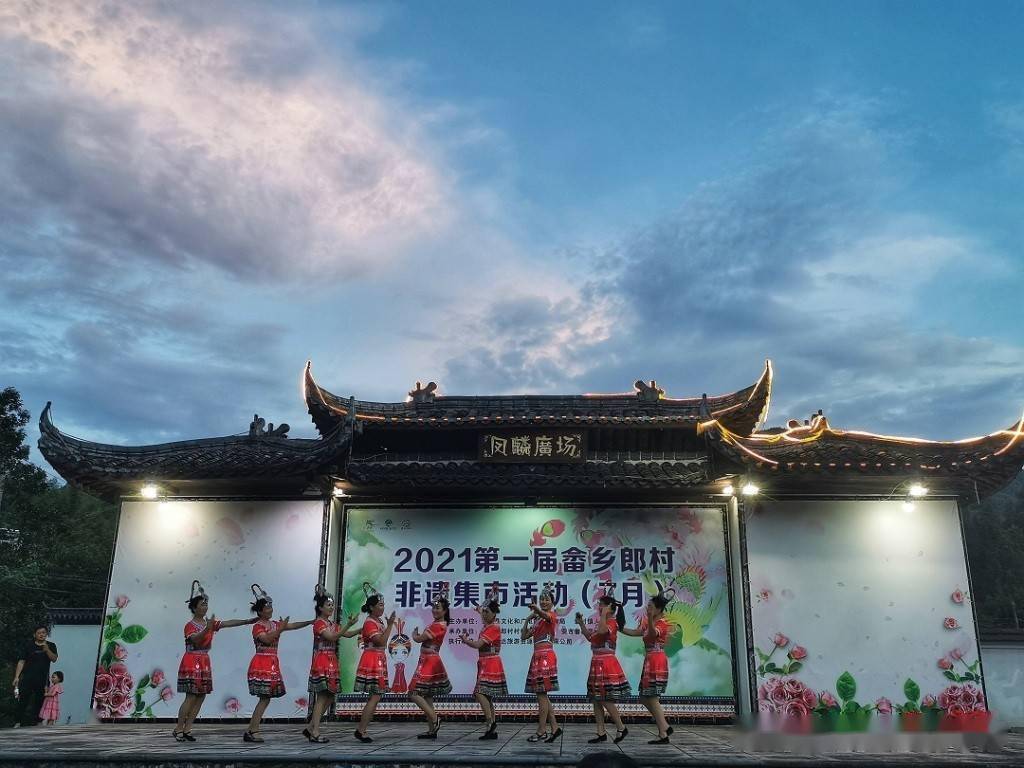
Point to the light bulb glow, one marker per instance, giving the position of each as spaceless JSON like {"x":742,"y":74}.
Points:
{"x":917,"y":490}
{"x":728,"y":490}
{"x":149,"y":491}
{"x":750,"y":490}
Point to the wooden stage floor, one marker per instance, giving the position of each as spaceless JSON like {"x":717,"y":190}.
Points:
{"x":396,"y":744}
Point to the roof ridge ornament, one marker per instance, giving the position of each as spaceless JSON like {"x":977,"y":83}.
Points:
{"x":648,"y":393}
{"x":260,"y":428}
{"x":423,"y":394}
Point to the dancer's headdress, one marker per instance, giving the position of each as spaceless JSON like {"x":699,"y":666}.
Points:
{"x":668,"y":595}
{"x":369,"y":590}
{"x":196,"y":591}
{"x":319,"y":592}
{"x":260,"y":594}
{"x":492,"y":594}
{"x":609,"y":589}
{"x":441,"y":593}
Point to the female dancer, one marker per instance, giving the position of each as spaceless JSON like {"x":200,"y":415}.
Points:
{"x":323,"y":669}
{"x":654,"y":678}
{"x":606,"y":683}
{"x":430,"y":678}
{"x":264,"y":674}
{"x":542,"y":677}
{"x":195,"y":675}
{"x":490,"y":673}
{"x":372,"y":672}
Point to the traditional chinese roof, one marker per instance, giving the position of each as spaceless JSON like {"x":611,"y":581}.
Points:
{"x":594,"y":474}
{"x":816,"y":448}
{"x":74,"y":615}
{"x":742,"y":411}
{"x":112,"y":470}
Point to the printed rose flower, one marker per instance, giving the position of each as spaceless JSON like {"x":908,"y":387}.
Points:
{"x":121,"y":601}
{"x":156,"y":677}
{"x":945,"y":663}
{"x":928,"y":701}
{"x":302,"y":703}
{"x":828,"y":700}
{"x":120,"y":652}
{"x":884,"y":706}
{"x":116,"y":701}
{"x":810,"y":698}
{"x":232,"y":705}
{"x":126,"y":685}
{"x":798,"y":652}
{"x":117,"y":669}
{"x":950,"y":623}
{"x":963,"y":698}
{"x":956,"y":711}
{"x":166,"y":693}
{"x":796,"y":708}
{"x":764,"y":594}
{"x":957,"y":596}
{"x":126,"y":708}
{"x":766,"y":706}
{"x":956,"y":653}
{"x":794,"y":688}
{"x":780,"y":640}
{"x":104,"y":685}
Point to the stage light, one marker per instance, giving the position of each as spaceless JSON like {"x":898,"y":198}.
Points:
{"x":917,"y":490}
{"x":149,"y":491}
{"x":750,"y":490}
{"x":728,"y":490}
{"x":339,"y":493}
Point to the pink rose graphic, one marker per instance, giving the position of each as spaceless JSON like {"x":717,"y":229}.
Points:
{"x":957,"y":596}
{"x":884,"y":706}
{"x":104,"y":685}
{"x":950,"y":623}
{"x":798,"y":652}
{"x":301,"y":703}
{"x":960,"y":699}
{"x":156,"y":677}
{"x":116,"y":700}
{"x":126,"y":708}
{"x":120,"y":652}
{"x":786,"y":695}
{"x":928,"y":701}
{"x":166,"y":693}
{"x":956,"y":653}
{"x":232,"y":705}
{"x":828,"y":700}
{"x":796,"y":708}
{"x":764,"y":594}
{"x":810,"y":698}
{"x":117,"y":669}
{"x":945,"y":663}
{"x":780,"y":640}
{"x":121,"y":601}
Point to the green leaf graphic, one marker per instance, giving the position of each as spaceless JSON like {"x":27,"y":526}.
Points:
{"x":846,"y":686}
{"x":142,"y":683}
{"x":133,"y":633}
{"x":911,"y":690}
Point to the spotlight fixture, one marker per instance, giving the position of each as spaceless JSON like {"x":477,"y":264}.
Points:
{"x":728,"y":490}
{"x":917,"y":490}
{"x":149,"y":491}
{"x":750,"y":490}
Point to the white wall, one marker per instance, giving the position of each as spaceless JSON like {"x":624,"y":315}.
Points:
{"x":864,"y":587}
{"x":227,"y":545}
{"x":76,"y":650}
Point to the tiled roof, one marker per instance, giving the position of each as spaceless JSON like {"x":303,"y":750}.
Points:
{"x":743,"y":411}
{"x":110,"y":469}
{"x":591,"y":474}
{"x":816,"y":448}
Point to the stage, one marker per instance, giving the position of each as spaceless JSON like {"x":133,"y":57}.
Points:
{"x":395,"y":744}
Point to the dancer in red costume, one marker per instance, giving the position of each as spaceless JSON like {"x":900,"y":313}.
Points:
{"x":323,"y":669}
{"x":542,"y":677}
{"x":430,"y":678}
{"x":654,"y":677}
{"x":195,"y":675}
{"x":264,"y":674}
{"x":606,"y":683}
{"x":490,"y":673}
{"x":372,"y":672}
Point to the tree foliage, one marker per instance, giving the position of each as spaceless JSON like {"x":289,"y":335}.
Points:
{"x":994,"y":531}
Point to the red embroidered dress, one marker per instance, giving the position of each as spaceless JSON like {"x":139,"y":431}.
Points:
{"x":195,"y":674}
{"x":490,"y":672}
{"x":430,"y":677}
{"x":606,"y":681}
{"x":323,"y":671}
{"x":654,"y":678}
{"x":543,"y":674}
{"x":264,"y":670}
{"x":372,"y":672}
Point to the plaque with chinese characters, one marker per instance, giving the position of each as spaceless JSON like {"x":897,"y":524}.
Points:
{"x":554,"y":445}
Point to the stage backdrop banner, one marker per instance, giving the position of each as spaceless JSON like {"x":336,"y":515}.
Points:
{"x":405,"y":552}
{"x":161,"y":547}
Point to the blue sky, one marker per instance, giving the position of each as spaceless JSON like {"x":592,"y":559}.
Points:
{"x":511,"y":197}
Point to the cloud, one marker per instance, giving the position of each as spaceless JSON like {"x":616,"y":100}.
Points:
{"x":148,"y":131}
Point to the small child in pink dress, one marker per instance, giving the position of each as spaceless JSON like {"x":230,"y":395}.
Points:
{"x":50,"y":712}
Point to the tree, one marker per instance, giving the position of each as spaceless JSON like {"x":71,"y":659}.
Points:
{"x":56,"y":545}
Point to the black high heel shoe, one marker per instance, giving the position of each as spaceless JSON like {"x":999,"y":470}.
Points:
{"x":598,"y":739}
{"x":620,"y":735}
{"x":670,"y":730}
{"x":662,"y":740}
{"x":553,"y":736}
{"x":252,"y":737}
{"x":363,"y":737}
